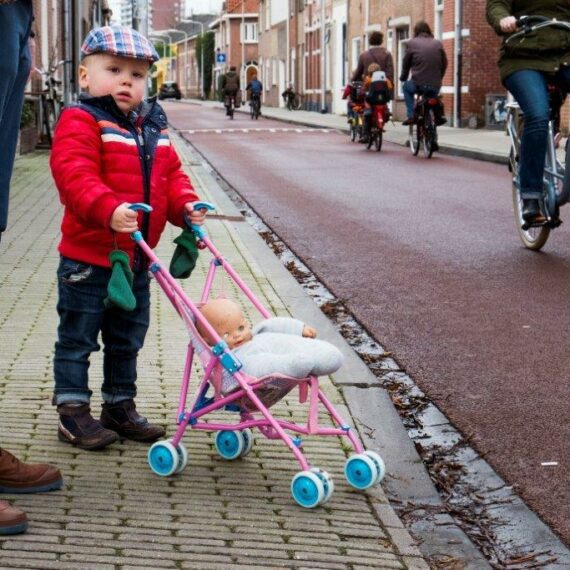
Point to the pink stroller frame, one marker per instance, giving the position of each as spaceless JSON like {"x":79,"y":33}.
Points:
{"x":236,"y":391}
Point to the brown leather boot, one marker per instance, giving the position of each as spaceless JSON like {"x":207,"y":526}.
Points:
{"x":19,"y":477}
{"x":126,"y":421}
{"x":12,"y":520}
{"x":78,"y":427}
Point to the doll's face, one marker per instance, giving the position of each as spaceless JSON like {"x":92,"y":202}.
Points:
{"x":228,"y":321}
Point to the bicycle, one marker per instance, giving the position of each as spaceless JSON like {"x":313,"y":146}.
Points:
{"x":423,"y":131}
{"x":50,"y":102}
{"x":230,"y":105}
{"x":380,"y":115}
{"x":356,"y":123}
{"x":293,"y":101}
{"x":556,"y":179}
{"x":255,"y":106}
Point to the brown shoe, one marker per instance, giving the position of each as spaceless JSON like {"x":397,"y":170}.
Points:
{"x":12,"y":520}
{"x":19,"y":477}
{"x":126,"y":421}
{"x":78,"y":427}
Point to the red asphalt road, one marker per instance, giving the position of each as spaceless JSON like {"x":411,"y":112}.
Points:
{"x":426,"y":255}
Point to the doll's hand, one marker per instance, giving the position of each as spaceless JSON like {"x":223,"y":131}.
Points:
{"x":309,"y":332}
{"x":508,"y":24}
{"x":196,"y":216}
{"x":124,"y":220}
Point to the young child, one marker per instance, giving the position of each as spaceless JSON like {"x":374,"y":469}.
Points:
{"x":279,"y":345}
{"x":110,"y":150}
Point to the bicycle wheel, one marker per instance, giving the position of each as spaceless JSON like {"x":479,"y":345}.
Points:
{"x":297,"y":102}
{"x":353,"y":130}
{"x":252,"y":110}
{"x":429,"y":133}
{"x":371,"y":138}
{"x":378,"y":141}
{"x":415,"y":137}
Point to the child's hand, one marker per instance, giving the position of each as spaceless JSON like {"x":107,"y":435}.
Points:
{"x":309,"y":332}
{"x":196,"y":216}
{"x":124,"y":220}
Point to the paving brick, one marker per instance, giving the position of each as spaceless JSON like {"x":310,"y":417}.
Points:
{"x":113,"y":511}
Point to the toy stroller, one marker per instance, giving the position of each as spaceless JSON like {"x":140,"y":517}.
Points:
{"x":250,"y":397}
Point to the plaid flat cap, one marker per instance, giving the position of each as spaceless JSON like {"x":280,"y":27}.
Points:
{"x":119,"y":40}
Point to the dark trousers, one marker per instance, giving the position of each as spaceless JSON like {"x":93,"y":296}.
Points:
{"x":82,"y":289}
{"x":529,"y":88}
{"x":15,"y":63}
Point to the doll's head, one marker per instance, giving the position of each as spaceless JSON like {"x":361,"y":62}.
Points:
{"x":228,"y":320}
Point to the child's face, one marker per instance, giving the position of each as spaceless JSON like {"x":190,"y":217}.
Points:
{"x":122,"y":77}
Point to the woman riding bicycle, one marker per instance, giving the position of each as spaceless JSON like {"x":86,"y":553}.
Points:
{"x":527,"y":65}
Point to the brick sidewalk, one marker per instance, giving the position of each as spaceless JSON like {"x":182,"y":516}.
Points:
{"x":113,"y":511}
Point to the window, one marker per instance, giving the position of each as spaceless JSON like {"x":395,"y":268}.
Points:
{"x":402,"y":36}
{"x":249,"y":33}
{"x":356,"y":49}
{"x":438,"y":19}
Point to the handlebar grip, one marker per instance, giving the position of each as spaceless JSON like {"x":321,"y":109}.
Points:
{"x":198,"y":230}
{"x":140,"y":207}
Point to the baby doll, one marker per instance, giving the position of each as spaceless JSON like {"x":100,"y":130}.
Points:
{"x":278,"y":345}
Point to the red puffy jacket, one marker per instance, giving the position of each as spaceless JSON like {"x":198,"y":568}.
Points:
{"x":99,"y":161}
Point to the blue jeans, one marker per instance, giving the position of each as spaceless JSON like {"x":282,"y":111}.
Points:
{"x":15,"y":63}
{"x":83,"y":315}
{"x":529,"y":88}
{"x":410,"y":88}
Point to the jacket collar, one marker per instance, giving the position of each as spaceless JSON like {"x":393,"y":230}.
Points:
{"x":147,"y":110}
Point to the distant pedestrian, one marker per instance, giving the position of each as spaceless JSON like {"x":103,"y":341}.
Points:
{"x":15,"y":62}
{"x":110,"y":150}
{"x":375,"y":54}
{"x":426,"y":60}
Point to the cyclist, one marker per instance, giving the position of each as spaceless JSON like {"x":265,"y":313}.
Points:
{"x":255,"y":88}
{"x":525,"y":68}
{"x":426,"y":60}
{"x":375,"y":54}
{"x":230,"y":87}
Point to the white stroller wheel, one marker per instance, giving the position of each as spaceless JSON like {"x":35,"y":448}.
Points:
{"x":229,"y":444}
{"x":182,"y":457}
{"x":247,"y":435}
{"x":163,"y":458}
{"x":380,"y":465}
{"x":327,"y":482}
{"x":308,"y":489}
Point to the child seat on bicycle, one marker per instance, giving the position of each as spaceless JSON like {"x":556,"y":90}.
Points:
{"x":379,"y":91}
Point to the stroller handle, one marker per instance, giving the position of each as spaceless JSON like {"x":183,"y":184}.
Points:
{"x":198,"y":230}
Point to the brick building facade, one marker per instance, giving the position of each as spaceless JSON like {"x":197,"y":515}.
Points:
{"x":236,"y":32}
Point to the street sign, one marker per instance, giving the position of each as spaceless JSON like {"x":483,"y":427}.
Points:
{"x":220,"y":58}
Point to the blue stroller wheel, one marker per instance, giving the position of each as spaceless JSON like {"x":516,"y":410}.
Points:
{"x":229,"y":444}
{"x":380,"y":465}
{"x":360,"y":471}
{"x":308,"y":489}
{"x":163,"y":458}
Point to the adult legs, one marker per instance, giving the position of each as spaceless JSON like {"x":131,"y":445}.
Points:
{"x":529,"y":88}
{"x":409,"y":88}
{"x":15,"y":23}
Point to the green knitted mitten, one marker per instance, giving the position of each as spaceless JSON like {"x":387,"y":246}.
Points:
{"x":185,"y":255}
{"x":120,"y":286}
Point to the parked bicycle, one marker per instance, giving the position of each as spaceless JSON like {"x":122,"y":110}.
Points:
{"x":50,"y":102}
{"x":293,"y":100}
{"x":255,"y":106}
{"x":423,"y":131}
{"x":556,"y":179}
